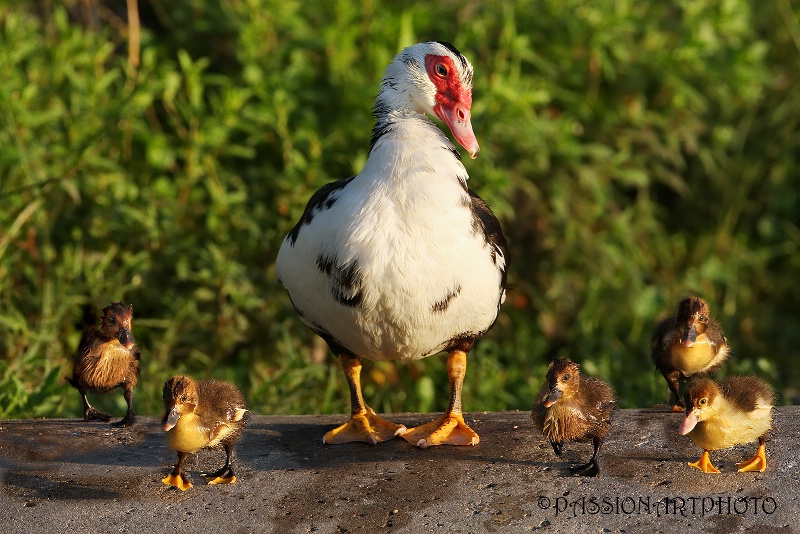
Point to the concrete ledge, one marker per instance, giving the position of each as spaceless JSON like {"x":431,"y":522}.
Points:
{"x":66,"y":475}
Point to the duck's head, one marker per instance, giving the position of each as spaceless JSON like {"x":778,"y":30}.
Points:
{"x":180,"y":398}
{"x":563,"y":381}
{"x":432,"y":78}
{"x":117,"y":322}
{"x":692,"y":319}
{"x":700,"y":400}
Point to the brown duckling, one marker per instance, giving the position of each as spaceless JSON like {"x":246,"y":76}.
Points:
{"x":200,"y":415}
{"x":720,"y":415}
{"x":688,"y":343}
{"x":575,"y":408}
{"x":107,"y":358}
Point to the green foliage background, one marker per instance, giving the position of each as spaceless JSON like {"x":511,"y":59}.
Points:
{"x":635,"y":152}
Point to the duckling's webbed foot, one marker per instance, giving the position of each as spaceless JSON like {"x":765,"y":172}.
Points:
{"x":94,"y":415}
{"x":225,"y":474}
{"x":178,"y":477}
{"x":222,"y":476}
{"x":589,"y":469}
{"x":558,"y":447}
{"x":128,"y":420}
{"x":757,"y":462}
{"x":180,"y":481}
{"x":704,"y":464}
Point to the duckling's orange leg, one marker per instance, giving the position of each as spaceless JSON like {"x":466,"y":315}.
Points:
{"x":757,"y":462}
{"x":178,"y":478}
{"x":363,"y":425}
{"x":224,"y":475}
{"x":704,"y":464}
{"x":450,"y":428}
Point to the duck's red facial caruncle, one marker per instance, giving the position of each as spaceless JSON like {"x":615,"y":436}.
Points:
{"x":453,"y":101}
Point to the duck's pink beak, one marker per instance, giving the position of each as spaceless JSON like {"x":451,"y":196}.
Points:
{"x":456,"y":114}
{"x":688,"y":424}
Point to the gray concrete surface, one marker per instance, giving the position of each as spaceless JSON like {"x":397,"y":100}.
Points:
{"x":70,"y":476}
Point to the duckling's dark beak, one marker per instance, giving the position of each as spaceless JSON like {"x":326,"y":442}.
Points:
{"x":689,"y":336}
{"x":124,"y":336}
{"x":554,"y":395}
{"x":170,"y":419}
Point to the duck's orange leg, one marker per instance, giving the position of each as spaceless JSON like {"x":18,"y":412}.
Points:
{"x":704,"y":464}
{"x":450,"y":428}
{"x":363,"y":425}
{"x":757,"y":462}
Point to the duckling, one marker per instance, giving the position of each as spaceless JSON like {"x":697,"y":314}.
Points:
{"x":720,"y":415}
{"x":576,"y":408}
{"x":108,"y":358}
{"x":688,"y":343}
{"x":200,"y":415}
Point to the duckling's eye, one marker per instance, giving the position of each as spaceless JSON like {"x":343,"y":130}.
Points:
{"x":183,"y":398}
{"x":441,"y":70}
{"x":111,"y":320}
{"x":703,"y":401}
{"x":702,"y":318}
{"x":565,"y":377}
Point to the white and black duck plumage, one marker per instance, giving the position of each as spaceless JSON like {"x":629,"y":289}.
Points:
{"x":402,"y":261}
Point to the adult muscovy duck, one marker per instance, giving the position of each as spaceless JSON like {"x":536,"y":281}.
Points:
{"x":402,"y":261}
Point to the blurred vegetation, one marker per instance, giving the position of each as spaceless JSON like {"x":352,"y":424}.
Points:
{"x":634,"y":151}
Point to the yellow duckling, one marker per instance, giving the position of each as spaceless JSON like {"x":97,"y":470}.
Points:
{"x":575,"y":408}
{"x":200,"y":415}
{"x":720,"y":415}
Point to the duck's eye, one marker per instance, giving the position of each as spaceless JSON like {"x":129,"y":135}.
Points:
{"x":702,"y":317}
{"x":111,"y":320}
{"x":441,"y":70}
{"x":703,"y":402}
{"x":565,"y":377}
{"x":183,"y":398}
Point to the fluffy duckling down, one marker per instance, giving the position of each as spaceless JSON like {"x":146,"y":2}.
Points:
{"x":201,"y":415}
{"x":720,"y":415}
{"x":107,"y":358}
{"x":687,"y":343}
{"x":571,"y":407}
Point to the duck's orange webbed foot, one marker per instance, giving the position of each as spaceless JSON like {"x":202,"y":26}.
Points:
{"x":704,"y":464}
{"x":449,"y":429}
{"x":366,"y":427}
{"x":756,"y":463}
{"x":179,"y":481}
{"x":677,"y":408}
